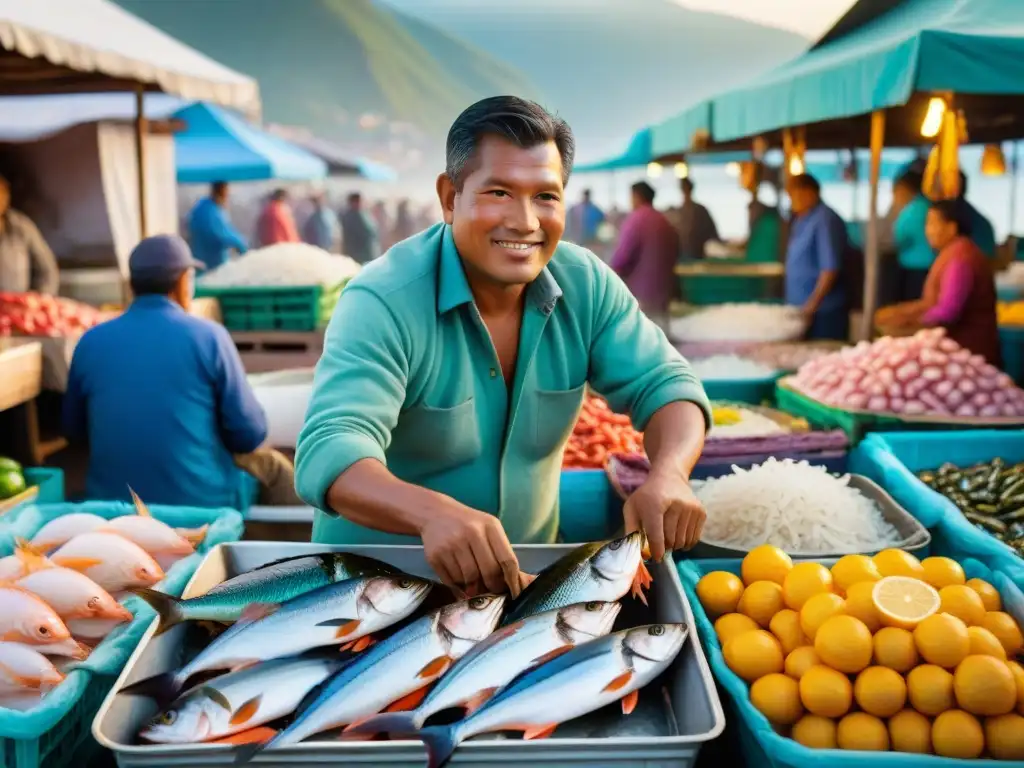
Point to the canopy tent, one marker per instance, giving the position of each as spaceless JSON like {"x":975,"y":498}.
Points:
{"x":217,"y":146}
{"x":339,"y":162}
{"x":65,"y":46}
{"x":31,"y":118}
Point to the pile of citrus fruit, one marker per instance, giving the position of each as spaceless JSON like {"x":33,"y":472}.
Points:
{"x":874,"y":653}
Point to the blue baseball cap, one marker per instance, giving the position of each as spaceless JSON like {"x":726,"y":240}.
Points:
{"x":162,"y":256}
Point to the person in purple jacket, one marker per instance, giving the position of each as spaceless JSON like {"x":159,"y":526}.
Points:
{"x":645,"y":257}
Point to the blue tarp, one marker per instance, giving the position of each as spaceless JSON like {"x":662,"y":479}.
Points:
{"x":217,"y":146}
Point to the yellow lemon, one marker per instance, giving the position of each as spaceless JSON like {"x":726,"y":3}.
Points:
{"x":719,"y":592}
{"x":805,"y":581}
{"x":1004,"y":737}
{"x":895,"y":649}
{"x":753,"y":655}
{"x":904,"y":602}
{"x":815,"y":731}
{"x":896,"y":562}
{"x":826,"y":692}
{"x":942,"y":572}
{"x":984,"y":685}
{"x":760,"y":601}
{"x":1006,"y":631}
{"x":844,"y":643}
{"x":942,"y":640}
{"x":910,"y":731}
{"x":765,"y":563}
{"x":777,"y":697}
{"x":989,"y":594}
{"x":800,"y":660}
{"x":1018,"y":676}
{"x":861,"y":604}
{"x":785,"y":625}
{"x":957,"y":734}
{"x":963,"y":602}
{"x":863,"y":732}
{"x":732,"y":624}
{"x":819,"y":609}
{"x":880,"y":692}
{"x":853,"y":569}
{"x":930,"y":689}
{"x":984,"y":643}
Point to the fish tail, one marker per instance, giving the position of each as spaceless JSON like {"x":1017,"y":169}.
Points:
{"x":161,"y":688}
{"x":396,"y":723}
{"x":440,"y":741}
{"x":167,"y":606}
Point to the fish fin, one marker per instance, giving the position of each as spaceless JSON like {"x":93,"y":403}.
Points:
{"x":539,"y":731}
{"x":25,"y":681}
{"x":408,"y":702}
{"x":140,"y":507}
{"x":216,"y":697}
{"x":360,"y":645}
{"x":167,"y":606}
{"x":436,"y":667}
{"x":478,"y":699}
{"x":32,"y":558}
{"x":554,"y":653}
{"x":246,"y":712}
{"x":345,"y":626}
{"x":394,"y":723}
{"x":257,"y":611}
{"x":440,"y":741}
{"x":619,"y":682}
{"x":259,"y":735}
{"x":645,"y":573}
{"x":640,"y":580}
{"x":161,"y":688}
{"x":194,"y":536}
{"x":77,"y":563}
{"x":629,"y":702}
{"x":244,"y":665}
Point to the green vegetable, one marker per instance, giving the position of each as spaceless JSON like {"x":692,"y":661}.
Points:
{"x":12,"y":482}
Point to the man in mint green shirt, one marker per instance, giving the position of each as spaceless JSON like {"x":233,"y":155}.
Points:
{"x":454,"y":368}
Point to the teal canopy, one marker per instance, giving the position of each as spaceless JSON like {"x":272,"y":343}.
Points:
{"x":636,"y":154}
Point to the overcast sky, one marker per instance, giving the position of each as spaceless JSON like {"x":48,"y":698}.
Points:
{"x":808,"y":17}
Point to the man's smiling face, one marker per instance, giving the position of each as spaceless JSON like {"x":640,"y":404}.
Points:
{"x":509,"y":215}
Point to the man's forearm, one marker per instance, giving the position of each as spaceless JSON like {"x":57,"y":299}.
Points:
{"x":674,"y":438}
{"x":826,"y":281}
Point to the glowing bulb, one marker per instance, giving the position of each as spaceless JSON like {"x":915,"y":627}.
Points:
{"x":682,"y":170}
{"x":796,"y":165}
{"x":932,"y":122}
{"x":654,"y":170}
{"x":733,"y":169}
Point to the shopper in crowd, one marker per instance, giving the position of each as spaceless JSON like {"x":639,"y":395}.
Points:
{"x":583,"y":221}
{"x":695,"y":225}
{"x":210,"y":231}
{"x":982,"y":232}
{"x":380,"y":217}
{"x":26,"y":261}
{"x":359,"y":235}
{"x":914,"y":252}
{"x":321,"y":228}
{"x":646,"y":254}
{"x":277,"y":222}
{"x":404,"y":224}
{"x":454,"y":369}
{"x":161,"y":400}
{"x":814,"y":261}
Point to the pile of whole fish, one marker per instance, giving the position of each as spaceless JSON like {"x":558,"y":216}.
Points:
{"x":59,"y":592}
{"x":524,"y":665}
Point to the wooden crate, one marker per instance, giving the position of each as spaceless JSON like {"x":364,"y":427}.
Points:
{"x":21,"y":372}
{"x":264,"y":351}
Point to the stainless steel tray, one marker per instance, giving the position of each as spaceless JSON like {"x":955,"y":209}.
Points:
{"x":696,"y":712}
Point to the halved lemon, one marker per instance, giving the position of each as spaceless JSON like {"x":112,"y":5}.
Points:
{"x":903,"y":601}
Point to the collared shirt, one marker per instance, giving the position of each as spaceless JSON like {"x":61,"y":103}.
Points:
{"x":817,"y":241}
{"x":645,"y":257}
{"x":277,"y":225}
{"x":696,"y":228}
{"x":912,"y":246}
{"x":409,"y":377}
{"x":211,"y":234}
{"x":26,"y":261}
{"x":162,"y":399}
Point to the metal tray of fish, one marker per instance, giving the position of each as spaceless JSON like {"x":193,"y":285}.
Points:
{"x":913,"y":535}
{"x":675,"y":716}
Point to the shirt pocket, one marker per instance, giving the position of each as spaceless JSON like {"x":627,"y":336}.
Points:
{"x":428,"y":440}
{"x":554,"y":414}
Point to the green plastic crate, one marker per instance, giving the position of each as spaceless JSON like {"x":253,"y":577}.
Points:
{"x":301,"y":308}
{"x":1011,"y":343}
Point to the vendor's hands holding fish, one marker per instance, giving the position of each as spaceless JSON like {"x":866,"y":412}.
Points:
{"x":667,"y":510}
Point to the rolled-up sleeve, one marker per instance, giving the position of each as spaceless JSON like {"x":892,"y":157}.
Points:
{"x":632,"y":363}
{"x":358,"y":390}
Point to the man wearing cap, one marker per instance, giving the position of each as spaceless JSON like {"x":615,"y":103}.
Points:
{"x":162,"y":400}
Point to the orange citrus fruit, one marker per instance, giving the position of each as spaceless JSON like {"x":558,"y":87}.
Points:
{"x":904,"y":602}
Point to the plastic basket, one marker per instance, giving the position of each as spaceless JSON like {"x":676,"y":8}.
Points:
{"x":758,"y":740}
{"x":751,"y":391}
{"x":588,"y":507}
{"x":1011,"y":343}
{"x":893,"y":459}
{"x":56,"y":734}
{"x":301,"y":308}
{"x":49,"y":481}
{"x":855,"y":425}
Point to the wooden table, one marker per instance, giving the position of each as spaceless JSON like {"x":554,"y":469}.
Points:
{"x":711,"y":268}
{"x":264,"y":351}
{"x":21,"y":381}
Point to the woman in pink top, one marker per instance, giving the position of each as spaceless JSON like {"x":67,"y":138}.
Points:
{"x":277,"y":224}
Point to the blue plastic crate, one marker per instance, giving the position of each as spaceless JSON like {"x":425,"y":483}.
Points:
{"x":760,"y":744}
{"x":56,"y":734}
{"x":752,"y":391}
{"x":892,"y":459}
{"x":49,"y":480}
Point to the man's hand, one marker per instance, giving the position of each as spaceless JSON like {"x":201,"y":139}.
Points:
{"x":668,"y":511}
{"x":469,"y":551}
{"x":807,"y":311}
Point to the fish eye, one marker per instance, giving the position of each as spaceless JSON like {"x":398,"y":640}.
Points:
{"x":478,"y":602}
{"x":93,"y":603}
{"x":406,"y":584}
{"x":657,"y":630}
{"x":44,"y":631}
{"x":593,"y":606}
{"x":168,"y":718}
{"x":615,"y":545}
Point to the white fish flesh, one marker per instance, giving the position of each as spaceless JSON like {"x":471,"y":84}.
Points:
{"x":112,"y":561}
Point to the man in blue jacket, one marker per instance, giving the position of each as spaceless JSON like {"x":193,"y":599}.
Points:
{"x":210,"y":230}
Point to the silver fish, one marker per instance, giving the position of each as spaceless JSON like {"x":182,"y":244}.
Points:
{"x":404,"y":663}
{"x":491,"y":664}
{"x":575,"y":683}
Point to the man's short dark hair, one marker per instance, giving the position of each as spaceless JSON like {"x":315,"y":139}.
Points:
{"x":278,"y":194}
{"x":955,"y":212}
{"x":687,"y":185}
{"x":154,"y":286}
{"x":805,"y":181}
{"x":911,"y":181}
{"x":644,"y":191}
{"x":522,"y":122}
{"x":218,"y":188}
{"x":354,"y":197}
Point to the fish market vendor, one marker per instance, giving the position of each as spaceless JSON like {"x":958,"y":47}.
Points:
{"x":455,"y":366}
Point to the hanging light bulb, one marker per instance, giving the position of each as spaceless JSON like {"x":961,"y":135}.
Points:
{"x":732,"y":169}
{"x":933,"y":117}
{"x":682,"y":170}
{"x":993,"y":162}
{"x":654,"y":170}
{"x":796,"y":165}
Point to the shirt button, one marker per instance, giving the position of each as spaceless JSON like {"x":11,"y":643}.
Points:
{"x":494,"y":373}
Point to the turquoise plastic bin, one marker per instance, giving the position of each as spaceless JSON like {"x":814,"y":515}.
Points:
{"x":50,"y":481}
{"x":57,"y":733}
{"x":1011,"y":344}
{"x":891,"y":459}
{"x":588,"y":507}
{"x":759,"y":742}
{"x":751,"y":391}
